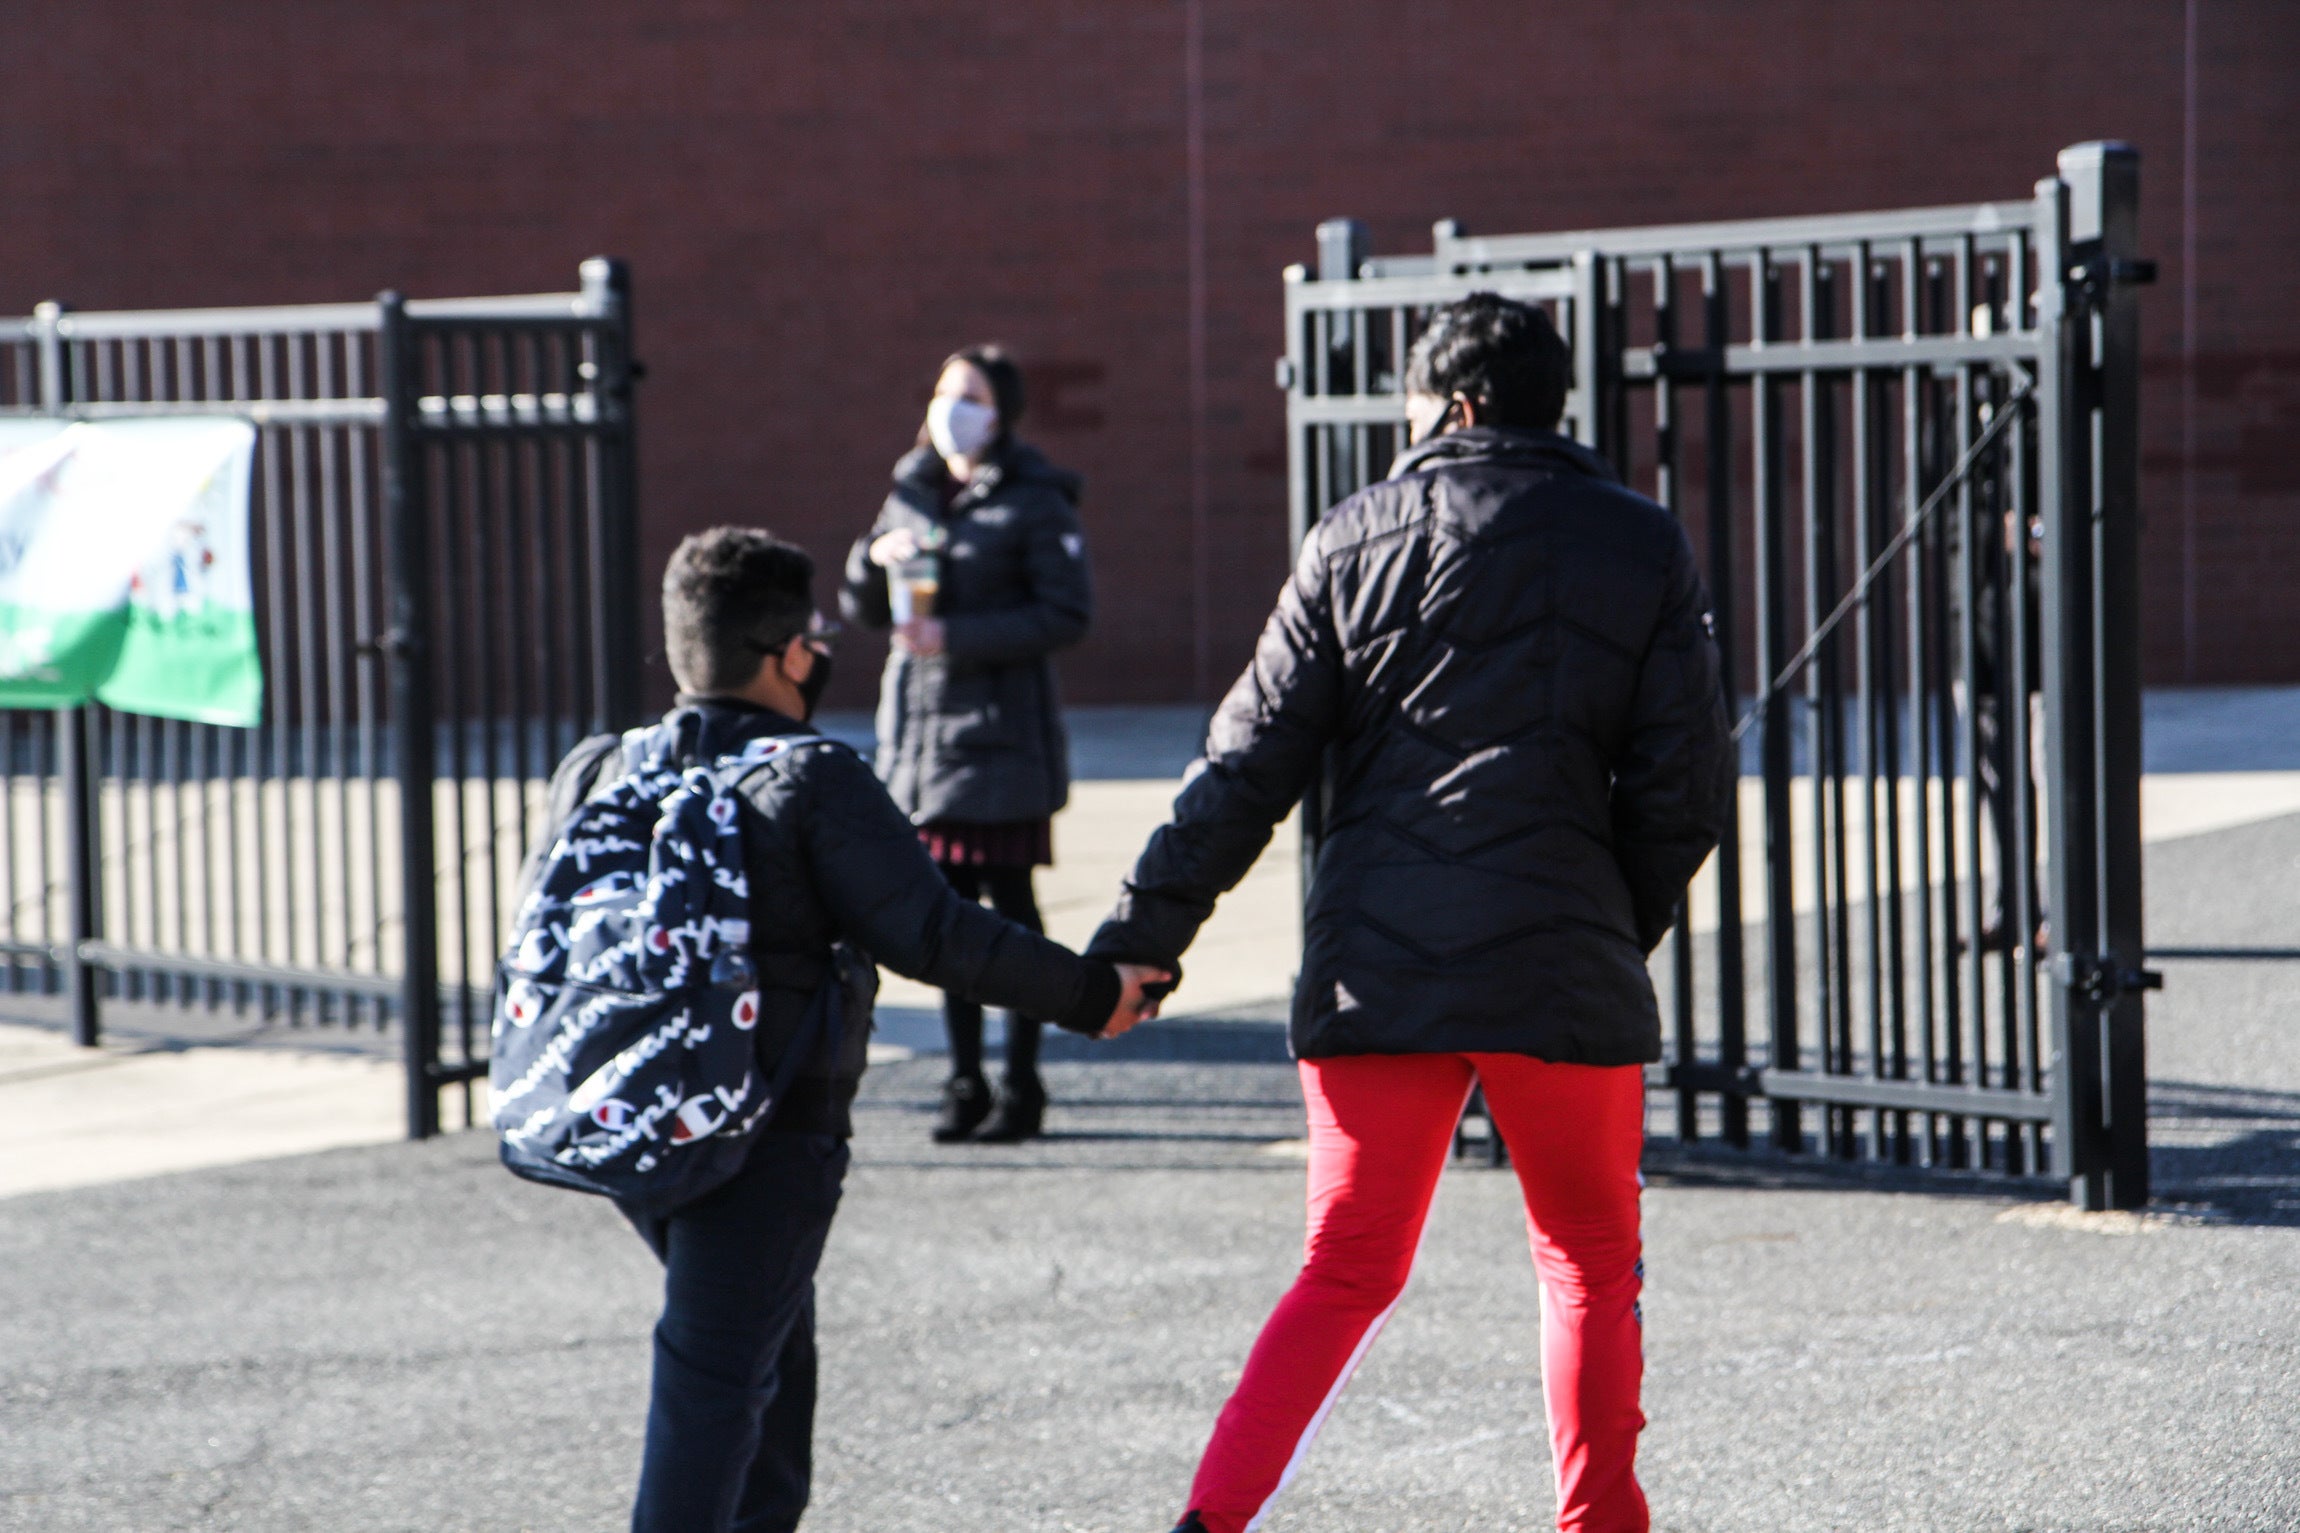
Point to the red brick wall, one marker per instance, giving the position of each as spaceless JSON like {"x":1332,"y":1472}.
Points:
{"x":819,"y":202}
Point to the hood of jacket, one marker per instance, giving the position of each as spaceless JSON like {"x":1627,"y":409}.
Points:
{"x":1503,"y":444}
{"x":1017,"y":462}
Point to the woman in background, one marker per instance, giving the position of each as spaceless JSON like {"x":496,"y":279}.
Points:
{"x":978,"y":563}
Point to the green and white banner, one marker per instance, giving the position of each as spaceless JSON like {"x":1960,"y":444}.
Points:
{"x":124,"y":568}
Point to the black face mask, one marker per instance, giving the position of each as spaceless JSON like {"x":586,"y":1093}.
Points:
{"x":811,"y":690}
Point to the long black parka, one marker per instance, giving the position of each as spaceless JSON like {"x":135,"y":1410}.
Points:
{"x":975,"y":734}
{"x":1503,"y":659}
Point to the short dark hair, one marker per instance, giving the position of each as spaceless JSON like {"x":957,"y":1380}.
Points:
{"x":731,"y":597}
{"x":1504,"y":356}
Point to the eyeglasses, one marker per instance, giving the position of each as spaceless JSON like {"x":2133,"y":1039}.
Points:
{"x":820,"y":633}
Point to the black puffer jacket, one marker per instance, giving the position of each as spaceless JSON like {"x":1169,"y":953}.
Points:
{"x":1509,"y":658}
{"x":837,"y":878}
{"x":975,"y":733}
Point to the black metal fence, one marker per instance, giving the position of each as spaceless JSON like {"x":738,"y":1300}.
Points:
{"x":442,"y":543}
{"x":1906,"y":443}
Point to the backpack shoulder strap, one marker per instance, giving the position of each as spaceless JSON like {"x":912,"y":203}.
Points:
{"x":583,"y":775}
{"x":739,"y":766}
{"x":579,"y":776}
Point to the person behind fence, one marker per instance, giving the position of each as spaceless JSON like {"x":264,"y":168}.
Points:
{"x":978,"y":561}
{"x":1501,"y":663}
{"x":835,"y":876}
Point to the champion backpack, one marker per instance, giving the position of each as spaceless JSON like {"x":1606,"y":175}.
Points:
{"x":625,"y":1049}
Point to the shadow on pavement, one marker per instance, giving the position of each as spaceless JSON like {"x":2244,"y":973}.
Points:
{"x":1209,"y":1041}
{"x":2229,"y":1154}
{"x":2231,"y":1149}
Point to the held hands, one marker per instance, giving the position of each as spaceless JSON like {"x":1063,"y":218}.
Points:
{"x":1134,"y":1007}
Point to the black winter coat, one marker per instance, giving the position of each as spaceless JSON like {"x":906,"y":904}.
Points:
{"x":838,"y":878}
{"x":975,"y":734}
{"x":1505,"y":660}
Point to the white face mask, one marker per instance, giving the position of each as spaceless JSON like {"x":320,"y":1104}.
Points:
{"x":960,"y":428}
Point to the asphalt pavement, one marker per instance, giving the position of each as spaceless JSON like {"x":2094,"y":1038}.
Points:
{"x":403,"y":1337}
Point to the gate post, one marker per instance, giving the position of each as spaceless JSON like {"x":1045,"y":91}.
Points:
{"x":1343,"y":245}
{"x":606,"y":288}
{"x":2103,"y":231}
{"x":2088,"y":478}
{"x":83,"y":855}
{"x":1588,"y":336}
{"x":408,"y":642}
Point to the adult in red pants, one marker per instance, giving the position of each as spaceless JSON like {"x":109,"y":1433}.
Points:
{"x":1380,"y":1129}
{"x":1499,"y":663}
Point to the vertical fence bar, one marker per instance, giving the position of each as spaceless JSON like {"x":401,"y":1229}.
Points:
{"x":1860,"y":401}
{"x":2023,"y":659}
{"x":76,"y":760}
{"x":12,"y":974}
{"x":83,"y":862}
{"x":1667,"y":491}
{"x":1732,"y":973}
{"x":409,"y":644}
{"x":1772,"y":650}
{"x":1814,"y":517}
{"x":1588,"y":346}
{"x":1966,"y":578}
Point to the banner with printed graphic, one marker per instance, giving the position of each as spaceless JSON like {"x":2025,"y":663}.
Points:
{"x":124,"y":568}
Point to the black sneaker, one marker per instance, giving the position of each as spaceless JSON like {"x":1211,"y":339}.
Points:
{"x":965,"y":1103}
{"x":1021,"y":1113}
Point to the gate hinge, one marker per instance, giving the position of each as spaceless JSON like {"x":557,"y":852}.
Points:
{"x":2099,"y":980}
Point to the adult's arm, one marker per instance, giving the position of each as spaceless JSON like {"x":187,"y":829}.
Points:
{"x":863,"y":596}
{"x":1261,"y":751}
{"x":1061,"y":601}
{"x":1675,"y":783}
{"x":890,"y":900}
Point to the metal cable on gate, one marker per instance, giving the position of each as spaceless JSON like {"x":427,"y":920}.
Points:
{"x":1909,"y":529}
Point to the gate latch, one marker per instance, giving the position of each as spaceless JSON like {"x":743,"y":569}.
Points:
{"x":391,"y":644}
{"x":2099,"y":980}
{"x":2120,"y":271}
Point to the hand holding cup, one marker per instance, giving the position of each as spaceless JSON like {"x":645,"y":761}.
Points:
{"x":889,"y":549}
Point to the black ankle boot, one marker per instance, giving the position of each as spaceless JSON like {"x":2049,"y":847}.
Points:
{"x":1189,"y":1524}
{"x":1021,"y":1113}
{"x":965,"y":1103}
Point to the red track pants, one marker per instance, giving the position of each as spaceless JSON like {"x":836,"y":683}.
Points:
{"x":1380,"y":1129}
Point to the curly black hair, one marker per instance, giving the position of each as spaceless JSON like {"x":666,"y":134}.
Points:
{"x":1505,"y":356}
{"x":731,"y":597}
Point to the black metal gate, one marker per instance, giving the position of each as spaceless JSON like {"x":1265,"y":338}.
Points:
{"x":1907,"y":443}
{"x":443,"y":548}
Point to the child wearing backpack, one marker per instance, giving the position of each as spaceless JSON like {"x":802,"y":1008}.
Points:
{"x":682,"y":1016}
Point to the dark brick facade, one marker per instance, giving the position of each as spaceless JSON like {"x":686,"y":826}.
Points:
{"x":819,"y":201}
